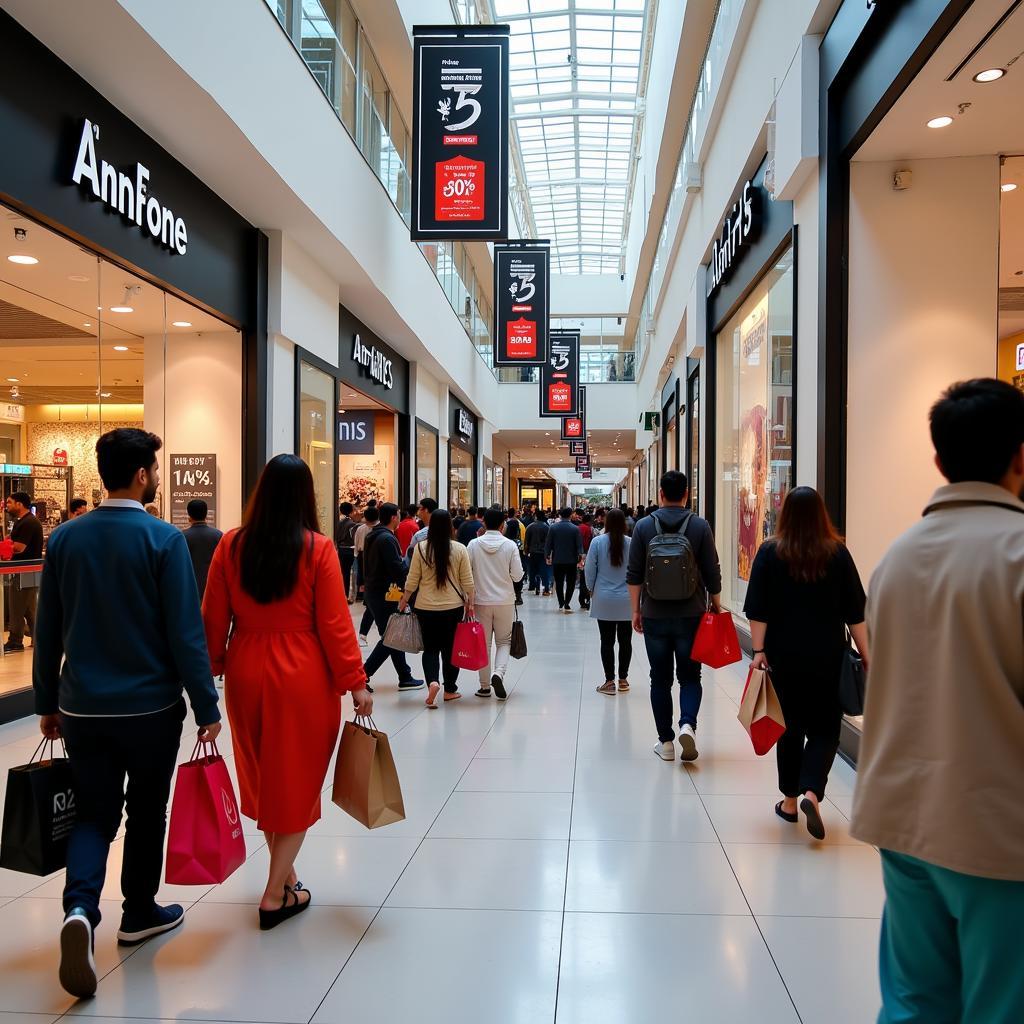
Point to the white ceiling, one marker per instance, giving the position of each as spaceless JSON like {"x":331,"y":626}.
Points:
{"x":535,"y":447}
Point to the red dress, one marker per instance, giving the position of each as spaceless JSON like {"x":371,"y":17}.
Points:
{"x":285,"y":668}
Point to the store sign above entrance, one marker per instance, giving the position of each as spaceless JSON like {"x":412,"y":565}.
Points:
{"x":128,"y":194}
{"x":740,"y":228}
{"x":376,"y":364}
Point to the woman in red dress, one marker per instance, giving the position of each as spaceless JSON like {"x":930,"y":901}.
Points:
{"x":278,"y":628}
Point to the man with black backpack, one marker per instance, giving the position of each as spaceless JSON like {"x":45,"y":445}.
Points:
{"x":673,"y":568}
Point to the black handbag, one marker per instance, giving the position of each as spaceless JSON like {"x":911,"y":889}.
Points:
{"x":852,"y":681}
{"x":39,"y":814}
{"x":517,"y":645}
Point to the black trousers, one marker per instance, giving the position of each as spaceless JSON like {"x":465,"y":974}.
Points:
{"x":809,"y":695}
{"x":609,"y":632}
{"x":22,"y":612}
{"x":438,"y":628}
{"x":382,"y":611}
{"x":348,"y":557}
{"x":565,"y":582}
{"x":103,"y":752}
{"x":584,"y":592}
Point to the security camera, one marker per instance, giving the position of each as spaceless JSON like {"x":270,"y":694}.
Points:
{"x":622,"y":277}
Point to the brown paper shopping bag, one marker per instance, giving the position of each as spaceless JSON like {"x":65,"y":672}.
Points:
{"x":760,"y":711}
{"x":365,"y":778}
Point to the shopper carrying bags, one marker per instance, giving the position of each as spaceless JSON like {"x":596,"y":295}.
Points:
{"x":279,"y":630}
{"x":441,"y":579}
{"x":497,"y":571}
{"x":804,"y":592}
{"x":605,"y":573}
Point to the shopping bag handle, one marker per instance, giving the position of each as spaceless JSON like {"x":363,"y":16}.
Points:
{"x":361,"y":719}
{"x":42,"y":745}
{"x":203,"y":744}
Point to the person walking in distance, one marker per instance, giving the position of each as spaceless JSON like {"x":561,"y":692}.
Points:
{"x":406,"y":528}
{"x":667,"y":594}
{"x":497,"y":570}
{"x":385,"y":574}
{"x":516,"y":532}
{"x":536,"y":544}
{"x":942,"y":753}
{"x":371,"y":517}
{"x":605,"y":571}
{"x":27,"y":538}
{"x":119,"y":636}
{"x":78,"y":508}
{"x":345,"y":539}
{"x":202,"y":540}
{"x":424,"y":510}
{"x":276,"y":588}
{"x":804,"y":592}
{"x":471,"y":528}
{"x":441,"y":578}
{"x":563,"y":550}
{"x":586,"y":528}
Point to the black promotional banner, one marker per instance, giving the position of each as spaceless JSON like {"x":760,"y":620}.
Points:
{"x":575,"y":427}
{"x":460,"y":131}
{"x":560,"y":375}
{"x":522,"y":274}
{"x":577,"y":448}
{"x":582,"y":463}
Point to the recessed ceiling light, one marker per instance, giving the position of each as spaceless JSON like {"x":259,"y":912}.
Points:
{"x":991,"y":75}
{"x":181,"y":323}
{"x":87,"y":324}
{"x":940,"y":122}
{"x":77,"y":277}
{"x":12,"y":380}
{"x":1008,"y":186}
{"x":23,"y":259}
{"x":120,"y":348}
{"x":104,"y":394}
{"x":122,"y":309}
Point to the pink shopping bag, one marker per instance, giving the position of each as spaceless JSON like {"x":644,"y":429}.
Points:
{"x":470,"y":647}
{"x":205,"y":844}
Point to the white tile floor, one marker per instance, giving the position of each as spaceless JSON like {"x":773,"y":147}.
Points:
{"x":550,"y":868}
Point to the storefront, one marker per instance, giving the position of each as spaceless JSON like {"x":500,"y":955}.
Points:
{"x":751,"y":318}
{"x":428,"y":455}
{"x":130,"y":295}
{"x":352,"y":421}
{"x":693,"y":414}
{"x":463,"y":447}
{"x":670,"y":413}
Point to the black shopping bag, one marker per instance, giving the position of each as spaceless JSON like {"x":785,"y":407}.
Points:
{"x":39,"y":814}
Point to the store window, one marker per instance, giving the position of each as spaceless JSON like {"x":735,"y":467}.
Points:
{"x":671,"y":449}
{"x":316,"y":443}
{"x":366,"y":454}
{"x":754,"y":425}
{"x":426,"y":462}
{"x":460,"y":476}
{"x":693,"y":405}
{"x":488,"y":482}
{"x":499,"y":484}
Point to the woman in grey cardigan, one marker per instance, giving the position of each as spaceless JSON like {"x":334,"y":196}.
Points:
{"x":605,"y":574}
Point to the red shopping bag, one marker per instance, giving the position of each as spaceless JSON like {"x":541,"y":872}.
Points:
{"x":716,"y":644}
{"x":204,"y":842}
{"x":470,"y":647}
{"x":760,"y":711}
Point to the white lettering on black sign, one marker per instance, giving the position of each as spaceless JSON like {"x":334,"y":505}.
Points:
{"x":375,"y":362}
{"x":465,"y":423}
{"x":127,"y":193}
{"x":738,"y":230}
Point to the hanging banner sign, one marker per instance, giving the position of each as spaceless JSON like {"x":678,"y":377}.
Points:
{"x":586,"y":475}
{"x":521,"y":278}
{"x":578,"y":448}
{"x":575,"y":427}
{"x":460,"y":129}
{"x":582,"y":463}
{"x":560,"y":375}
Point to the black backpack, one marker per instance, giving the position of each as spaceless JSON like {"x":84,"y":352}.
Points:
{"x":671,"y":573}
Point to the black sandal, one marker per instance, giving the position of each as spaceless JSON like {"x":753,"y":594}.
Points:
{"x":272,"y":918}
{"x":814,"y":823}
{"x":791,"y":818}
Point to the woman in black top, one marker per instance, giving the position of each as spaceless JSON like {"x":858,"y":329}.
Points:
{"x":804,"y":592}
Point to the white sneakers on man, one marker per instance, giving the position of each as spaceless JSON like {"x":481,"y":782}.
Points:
{"x":666,"y":751}
{"x":688,"y":743}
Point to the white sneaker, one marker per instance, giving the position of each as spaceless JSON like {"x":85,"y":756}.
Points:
{"x":666,"y":751}
{"x":688,"y":743}
{"x":363,"y":642}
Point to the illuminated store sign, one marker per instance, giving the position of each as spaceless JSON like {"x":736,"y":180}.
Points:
{"x":376,"y":364}
{"x":741,"y":227}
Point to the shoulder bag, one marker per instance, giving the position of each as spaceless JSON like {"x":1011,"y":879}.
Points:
{"x":852,"y":680}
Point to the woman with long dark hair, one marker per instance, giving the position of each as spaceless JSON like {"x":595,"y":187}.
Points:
{"x":804,"y":593}
{"x":441,"y":578}
{"x":605,"y":573}
{"x":279,"y":630}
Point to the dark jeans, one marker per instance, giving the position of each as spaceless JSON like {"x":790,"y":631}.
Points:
{"x":540,"y":572}
{"x":624,"y":632}
{"x":23,"y":612}
{"x":382,"y":611}
{"x":102,"y":752}
{"x":584,"y":592}
{"x":438,"y":628}
{"x":809,"y":695}
{"x":366,"y":622}
{"x":669,"y":642}
{"x":348,"y":557}
{"x":565,"y":582}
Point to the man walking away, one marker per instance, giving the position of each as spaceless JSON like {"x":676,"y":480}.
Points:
{"x":119,"y":636}
{"x":564,"y":550}
{"x":27,"y":538}
{"x":497,"y":571}
{"x":587,"y":534}
{"x":423,"y":513}
{"x":536,"y":544}
{"x":385,"y":569}
{"x":942,"y":753}
{"x":406,"y":528}
{"x":370,"y":519}
{"x":516,"y":532}
{"x":202,"y":540}
{"x":667,"y":595}
{"x":470,"y":529}
{"x":345,"y":540}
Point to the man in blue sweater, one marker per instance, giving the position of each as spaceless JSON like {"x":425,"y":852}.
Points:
{"x":563,"y":549}
{"x":118,"y":636}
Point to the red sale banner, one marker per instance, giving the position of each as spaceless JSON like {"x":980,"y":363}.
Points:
{"x":459,"y":190}
{"x":521,"y":339}
{"x":559,"y":397}
{"x":573,"y":427}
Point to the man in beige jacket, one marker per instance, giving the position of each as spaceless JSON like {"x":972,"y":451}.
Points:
{"x":942,"y":758}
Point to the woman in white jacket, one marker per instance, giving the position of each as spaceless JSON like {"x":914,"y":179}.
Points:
{"x":497,"y":568}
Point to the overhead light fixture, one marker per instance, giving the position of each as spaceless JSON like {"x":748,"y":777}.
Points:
{"x":104,"y":394}
{"x":1008,"y":186}
{"x":77,"y":278}
{"x":12,"y":380}
{"x":87,"y":325}
{"x":180,"y":323}
{"x":991,"y":75}
{"x":120,"y":348}
{"x":126,"y":303}
{"x":23,"y":258}
{"x":940,"y":122}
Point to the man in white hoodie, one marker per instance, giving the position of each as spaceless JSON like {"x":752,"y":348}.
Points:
{"x":497,"y":568}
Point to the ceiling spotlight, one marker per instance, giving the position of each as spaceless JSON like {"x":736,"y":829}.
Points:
{"x":126,"y":304}
{"x":120,"y":348}
{"x":12,"y":380}
{"x":77,"y":278}
{"x":23,"y":258}
{"x":991,"y":75}
{"x":104,"y":394}
{"x":940,"y":122}
{"x":1008,"y":186}
{"x":87,"y":325}
{"x":180,"y":323}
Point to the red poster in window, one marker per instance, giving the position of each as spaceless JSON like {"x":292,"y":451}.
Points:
{"x":521,"y":339}
{"x":60,"y":457}
{"x":559,"y":397}
{"x":573,"y":428}
{"x":459,"y":190}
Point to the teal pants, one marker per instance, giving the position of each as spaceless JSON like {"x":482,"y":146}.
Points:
{"x":951,"y":949}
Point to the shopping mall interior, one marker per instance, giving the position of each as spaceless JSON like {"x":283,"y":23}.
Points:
{"x":527,"y":255}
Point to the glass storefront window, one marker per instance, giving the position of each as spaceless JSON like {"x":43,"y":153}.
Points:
{"x":367,"y":475}
{"x":426,"y":463}
{"x":499,"y":484}
{"x":754,"y":428}
{"x":316,"y":436}
{"x":694,"y":406}
{"x":460,"y":477}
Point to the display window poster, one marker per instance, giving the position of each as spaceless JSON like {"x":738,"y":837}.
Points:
{"x":560,"y":375}
{"x":577,"y":448}
{"x":575,"y":427}
{"x":753,"y":450}
{"x":460,"y":129}
{"x":192,"y":477}
{"x":522,"y":275}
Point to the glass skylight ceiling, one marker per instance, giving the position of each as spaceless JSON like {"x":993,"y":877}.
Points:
{"x":575,"y":74}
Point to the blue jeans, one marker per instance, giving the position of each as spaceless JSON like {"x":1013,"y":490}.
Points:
{"x":669,"y":642}
{"x":540,"y":572}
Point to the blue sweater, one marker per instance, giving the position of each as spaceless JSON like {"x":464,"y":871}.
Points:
{"x":118,"y":605}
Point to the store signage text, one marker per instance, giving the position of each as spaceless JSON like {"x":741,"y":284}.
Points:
{"x":376,"y":364}
{"x":740,"y":227}
{"x":127,"y":193}
{"x":521,"y":287}
{"x":192,"y":477}
{"x":356,"y":433}
{"x":464,"y":423}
